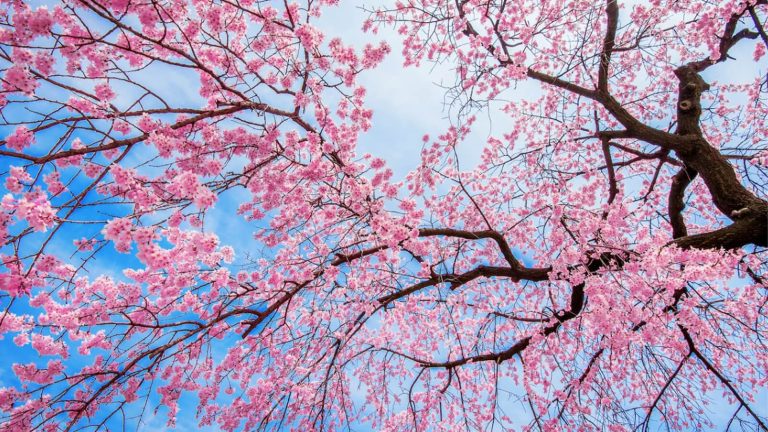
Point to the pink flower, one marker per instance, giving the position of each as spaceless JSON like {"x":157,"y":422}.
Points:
{"x":46,"y":346}
{"x":309,"y":36}
{"x":104,"y":92}
{"x":36,"y":210}
{"x":84,"y":244}
{"x":21,"y":339}
{"x":119,"y":231}
{"x":20,"y":139}
{"x":16,"y":179}
{"x":54,"y":184}
{"x":18,"y":78}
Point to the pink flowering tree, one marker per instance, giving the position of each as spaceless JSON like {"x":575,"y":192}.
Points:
{"x":601,"y":268}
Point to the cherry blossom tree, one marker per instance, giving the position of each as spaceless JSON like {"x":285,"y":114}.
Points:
{"x":601,"y":268}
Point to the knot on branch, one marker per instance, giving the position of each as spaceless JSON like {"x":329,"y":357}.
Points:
{"x":685,"y":105}
{"x":690,"y":80}
{"x":691,"y":86}
{"x":565,"y":315}
{"x":738,"y":214}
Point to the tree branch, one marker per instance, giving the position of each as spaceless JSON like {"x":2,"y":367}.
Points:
{"x":676,"y":204}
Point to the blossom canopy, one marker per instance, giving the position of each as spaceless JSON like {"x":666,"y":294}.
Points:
{"x":602,"y":265}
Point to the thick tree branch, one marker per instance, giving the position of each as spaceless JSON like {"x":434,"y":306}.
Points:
{"x":576,"y":304}
{"x":612,"y":22}
{"x":454,"y":280}
{"x":758,"y":25}
{"x":742,"y":232}
{"x":506,"y":251}
{"x":729,"y":38}
{"x":676,"y":203}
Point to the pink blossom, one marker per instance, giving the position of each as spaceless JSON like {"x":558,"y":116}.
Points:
{"x":104,"y":92}
{"x":54,"y":184}
{"x":573,"y":233}
{"x":16,"y":179}
{"x":18,"y":78}
{"x":20,"y":139}
{"x":21,"y":339}
{"x":119,"y":231}
{"x":34,"y":208}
